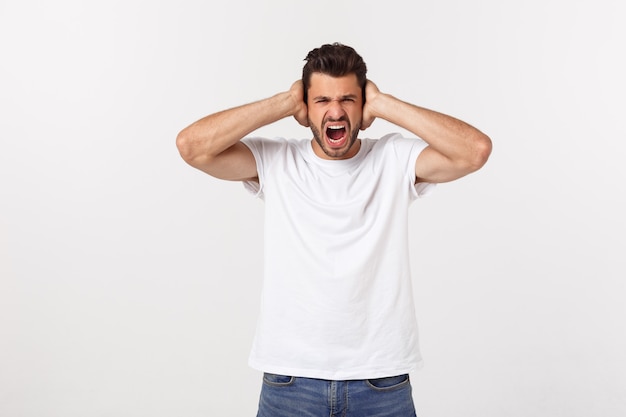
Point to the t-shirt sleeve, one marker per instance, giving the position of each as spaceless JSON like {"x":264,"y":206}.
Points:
{"x":264,"y":151}
{"x":407,"y":150}
{"x":255,"y":145}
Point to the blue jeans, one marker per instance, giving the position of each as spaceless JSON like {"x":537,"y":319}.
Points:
{"x":286,"y":396}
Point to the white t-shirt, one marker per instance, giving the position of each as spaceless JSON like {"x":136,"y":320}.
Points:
{"x":337,"y":301}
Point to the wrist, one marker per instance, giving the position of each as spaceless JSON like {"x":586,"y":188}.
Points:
{"x":283,"y":104}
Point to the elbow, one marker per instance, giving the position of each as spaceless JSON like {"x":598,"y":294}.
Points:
{"x":186,"y":146}
{"x":182,"y":144}
{"x":481,"y":152}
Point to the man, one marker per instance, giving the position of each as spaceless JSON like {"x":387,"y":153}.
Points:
{"x":337,"y":332}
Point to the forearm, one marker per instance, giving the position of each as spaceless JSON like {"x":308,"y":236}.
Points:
{"x":453,"y":138}
{"x":213,"y":134}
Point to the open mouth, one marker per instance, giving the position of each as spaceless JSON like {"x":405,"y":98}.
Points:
{"x":336,"y":134}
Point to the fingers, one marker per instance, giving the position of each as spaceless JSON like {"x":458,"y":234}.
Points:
{"x":300,"y":111}
{"x":371,"y":92}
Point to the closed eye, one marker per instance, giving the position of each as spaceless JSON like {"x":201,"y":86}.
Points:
{"x":347,"y":98}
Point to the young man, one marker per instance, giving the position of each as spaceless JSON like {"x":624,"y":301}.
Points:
{"x":337,"y":333}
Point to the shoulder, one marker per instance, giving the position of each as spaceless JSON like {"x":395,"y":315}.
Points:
{"x":263,"y":143}
{"x":263,"y":148}
{"x":396,"y":144}
{"x":274,"y":143}
{"x":277,"y":151}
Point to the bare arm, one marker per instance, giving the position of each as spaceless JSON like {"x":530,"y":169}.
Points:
{"x":455,"y":148}
{"x":212,"y":144}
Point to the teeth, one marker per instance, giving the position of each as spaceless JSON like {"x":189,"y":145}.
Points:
{"x":335,"y":127}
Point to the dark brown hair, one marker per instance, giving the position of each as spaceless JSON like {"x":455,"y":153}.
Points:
{"x":335,"y":60}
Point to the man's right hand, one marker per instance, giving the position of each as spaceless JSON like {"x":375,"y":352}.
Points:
{"x":301,"y":111}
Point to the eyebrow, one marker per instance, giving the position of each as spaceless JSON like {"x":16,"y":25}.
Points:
{"x":343,"y":97}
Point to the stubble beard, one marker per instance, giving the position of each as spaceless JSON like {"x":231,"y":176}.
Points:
{"x":335,"y":153}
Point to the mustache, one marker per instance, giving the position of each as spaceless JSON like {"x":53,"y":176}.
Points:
{"x":340,"y":119}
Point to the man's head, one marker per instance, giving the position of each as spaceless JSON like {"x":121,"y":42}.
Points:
{"x":334,"y":79}
{"x":335,"y":60}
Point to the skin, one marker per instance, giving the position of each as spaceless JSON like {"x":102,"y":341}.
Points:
{"x":212,"y":144}
{"x":335,"y":102}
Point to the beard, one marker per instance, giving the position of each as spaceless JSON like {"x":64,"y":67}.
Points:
{"x":332,"y":152}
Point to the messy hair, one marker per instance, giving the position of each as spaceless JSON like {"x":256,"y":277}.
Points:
{"x":336,"y":60}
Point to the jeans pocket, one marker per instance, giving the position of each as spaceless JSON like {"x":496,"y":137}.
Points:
{"x":276,"y":380}
{"x":389,"y":383}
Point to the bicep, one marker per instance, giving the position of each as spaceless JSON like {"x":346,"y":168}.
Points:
{"x":236,"y":163}
{"x":434,"y":167}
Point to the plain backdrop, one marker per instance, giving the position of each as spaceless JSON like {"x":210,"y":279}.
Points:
{"x":129,"y":282}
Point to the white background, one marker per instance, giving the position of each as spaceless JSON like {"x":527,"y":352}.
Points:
{"x":130,"y":281}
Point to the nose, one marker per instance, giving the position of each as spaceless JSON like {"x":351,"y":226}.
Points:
{"x":335,"y":110}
